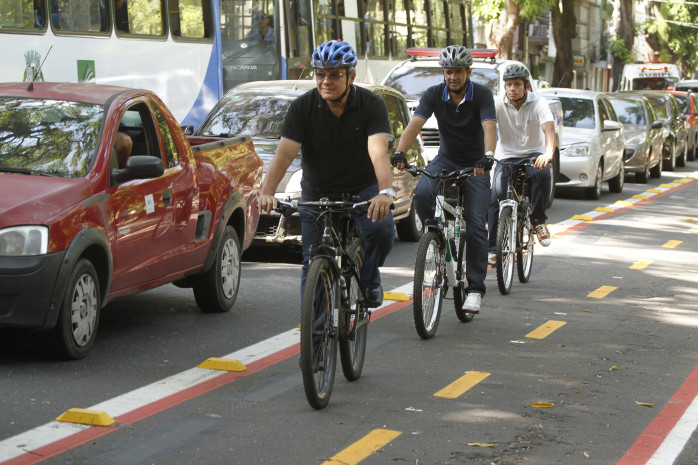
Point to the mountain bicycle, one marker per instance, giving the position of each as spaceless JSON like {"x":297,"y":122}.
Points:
{"x":334,"y":311}
{"x":515,"y":233}
{"x":440,"y":260}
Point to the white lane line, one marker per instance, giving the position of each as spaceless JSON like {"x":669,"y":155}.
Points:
{"x":673,"y":444}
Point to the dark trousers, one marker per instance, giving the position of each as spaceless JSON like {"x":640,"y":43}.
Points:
{"x":378,"y":239}
{"x":540,"y":189}
{"x":476,"y":194}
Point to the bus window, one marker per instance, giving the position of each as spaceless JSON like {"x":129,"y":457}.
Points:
{"x":190,"y":19}
{"x":368,"y":30}
{"x":437,"y":16}
{"x":418,"y":20}
{"x":139,"y":17}
{"x":299,"y":43}
{"x":249,"y":41}
{"x":327,"y":25}
{"x":23,"y":14}
{"x":398,"y":32}
{"x":83,"y":16}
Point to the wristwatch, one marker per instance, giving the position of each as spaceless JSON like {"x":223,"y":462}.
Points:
{"x":389,"y":192}
{"x":489,"y":153}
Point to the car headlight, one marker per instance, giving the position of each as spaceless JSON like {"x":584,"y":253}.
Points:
{"x":293,"y":187}
{"x":576,"y":150}
{"x":24,"y":240}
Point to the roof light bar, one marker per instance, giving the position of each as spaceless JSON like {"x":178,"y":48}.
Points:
{"x":435,"y":52}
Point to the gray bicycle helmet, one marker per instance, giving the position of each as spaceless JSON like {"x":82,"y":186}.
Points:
{"x":455,"y":56}
{"x":515,"y":72}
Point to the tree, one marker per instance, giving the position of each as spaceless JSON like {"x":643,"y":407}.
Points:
{"x":622,"y":45}
{"x":672,"y":35}
{"x":564,"y":30}
{"x":503,"y":18}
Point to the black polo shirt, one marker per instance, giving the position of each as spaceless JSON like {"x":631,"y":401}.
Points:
{"x":462,"y":139}
{"x":334,"y":151}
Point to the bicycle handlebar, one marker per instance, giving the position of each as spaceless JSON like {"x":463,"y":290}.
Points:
{"x":288,"y":207}
{"x":443,"y":175}
{"x":525,"y":161}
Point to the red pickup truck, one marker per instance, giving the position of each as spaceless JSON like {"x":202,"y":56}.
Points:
{"x":102,"y":195}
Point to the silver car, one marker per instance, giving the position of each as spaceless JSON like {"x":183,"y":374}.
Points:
{"x":643,"y":135}
{"x":258,"y":109}
{"x":592,"y":142}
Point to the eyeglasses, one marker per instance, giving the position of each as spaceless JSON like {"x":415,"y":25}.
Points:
{"x":330,"y":76}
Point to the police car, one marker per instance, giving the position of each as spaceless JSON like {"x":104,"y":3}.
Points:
{"x":421,"y":71}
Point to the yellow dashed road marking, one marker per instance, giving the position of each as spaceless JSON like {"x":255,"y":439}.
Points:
{"x":462,"y":384}
{"x":364,"y":447}
{"x":602,"y":292}
{"x":641,"y":265}
{"x":672,"y":244}
{"x":546,"y":329}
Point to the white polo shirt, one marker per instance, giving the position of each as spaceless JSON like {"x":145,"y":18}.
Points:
{"x":519,"y":131}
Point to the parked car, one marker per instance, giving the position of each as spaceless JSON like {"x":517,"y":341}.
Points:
{"x":592,"y":142}
{"x":643,"y":135}
{"x":257,"y":109}
{"x":77,"y":230}
{"x":421,"y":71}
{"x":688,"y":104}
{"x":668,"y":110}
{"x":686,"y":85}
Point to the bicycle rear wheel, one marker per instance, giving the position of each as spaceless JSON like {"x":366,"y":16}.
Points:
{"x":524,"y":246}
{"x":428,"y":285}
{"x":352,"y":352}
{"x":459,"y":289}
{"x":505,"y":254}
{"x":318,"y":338}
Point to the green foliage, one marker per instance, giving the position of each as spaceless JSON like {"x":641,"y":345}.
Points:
{"x":490,"y":9}
{"x":620,"y":51}
{"x":677,"y":42}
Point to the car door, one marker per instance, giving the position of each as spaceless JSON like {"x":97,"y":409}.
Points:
{"x":143,"y":209}
{"x":679,"y":123}
{"x":612,"y":143}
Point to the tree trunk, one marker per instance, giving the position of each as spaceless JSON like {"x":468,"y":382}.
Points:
{"x":564,"y":30}
{"x":501,"y":30}
{"x":623,"y":30}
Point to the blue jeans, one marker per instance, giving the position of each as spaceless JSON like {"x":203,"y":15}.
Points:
{"x":540,"y":189}
{"x":378,"y":240}
{"x":476,"y":194}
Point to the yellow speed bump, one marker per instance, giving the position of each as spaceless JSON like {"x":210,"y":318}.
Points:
{"x":680,"y":181}
{"x":668,"y":186}
{"x":224,"y":364}
{"x":582,"y":218}
{"x":86,"y":417}
{"x":623,"y":203}
{"x":641,"y":197}
{"x":604,"y":209}
{"x":654,"y":191}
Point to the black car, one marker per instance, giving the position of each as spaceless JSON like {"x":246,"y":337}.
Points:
{"x":258,"y":109}
{"x":669,"y":112}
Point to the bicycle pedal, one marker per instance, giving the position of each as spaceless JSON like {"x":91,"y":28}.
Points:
{"x":471,"y":311}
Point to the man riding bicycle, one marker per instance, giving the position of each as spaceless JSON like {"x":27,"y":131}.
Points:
{"x":342,"y":131}
{"x":466,"y":118}
{"x":526,"y":129}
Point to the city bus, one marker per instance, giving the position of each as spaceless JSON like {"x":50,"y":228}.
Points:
{"x":190,"y":52}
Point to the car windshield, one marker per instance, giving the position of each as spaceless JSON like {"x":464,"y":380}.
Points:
{"x":48,"y":137}
{"x":413,"y":81}
{"x":248,"y":114}
{"x":653,"y":83}
{"x":578,"y":112}
{"x":660,"y":108}
{"x":684,"y":104}
{"x":629,"y":111}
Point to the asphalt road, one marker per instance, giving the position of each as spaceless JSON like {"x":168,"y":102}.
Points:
{"x":613,"y":366}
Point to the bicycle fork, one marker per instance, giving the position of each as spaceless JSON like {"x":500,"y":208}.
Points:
{"x":451,"y":253}
{"x":514,"y":219}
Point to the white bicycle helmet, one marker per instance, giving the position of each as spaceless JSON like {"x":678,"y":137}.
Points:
{"x":455,"y":56}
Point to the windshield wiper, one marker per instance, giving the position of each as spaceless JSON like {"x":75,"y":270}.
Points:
{"x":6,"y":169}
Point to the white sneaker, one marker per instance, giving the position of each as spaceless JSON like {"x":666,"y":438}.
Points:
{"x":472,"y":303}
{"x":492,"y":259}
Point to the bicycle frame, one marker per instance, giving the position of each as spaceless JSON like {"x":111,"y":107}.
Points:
{"x":448,"y":234}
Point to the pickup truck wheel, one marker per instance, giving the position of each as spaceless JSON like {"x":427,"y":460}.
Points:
{"x":217,"y":289}
{"x":409,"y":229}
{"x":78,"y":319}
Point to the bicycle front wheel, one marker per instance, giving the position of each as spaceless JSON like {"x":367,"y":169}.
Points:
{"x":524,"y":246}
{"x":505,"y":253}
{"x":459,"y":288}
{"x":353,"y":351}
{"x":428,"y":285}
{"x":318,"y":338}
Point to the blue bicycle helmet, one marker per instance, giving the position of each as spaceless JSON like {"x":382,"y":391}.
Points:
{"x":334,"y":54}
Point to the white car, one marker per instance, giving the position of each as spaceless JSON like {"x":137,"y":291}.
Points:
{"x":592,"y":143}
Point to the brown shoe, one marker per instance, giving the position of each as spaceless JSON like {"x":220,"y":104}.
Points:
{"x":543,"y":234}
